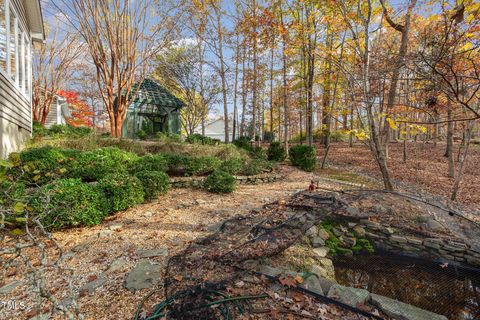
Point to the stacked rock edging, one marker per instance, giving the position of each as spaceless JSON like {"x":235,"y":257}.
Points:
{"x":196,"y":182}
{"x":389,"y":239}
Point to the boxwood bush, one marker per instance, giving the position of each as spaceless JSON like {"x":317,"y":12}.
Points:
{"x":256,"y":166}
{"x":94,"y":165}
{"x":244,"y":143}
{"x":220,"y":182}
{"x":154,"y":183}
{"x":197,"y":138}
{"x":197,"y":166}
{"x":68,"y":203}
{"x":232,"y":165}
{"x":150,"y":162}
{"x":175,"y":162}
{"x":303,"y":156}
{"x":39,"y":165}
{"x":276,"y":152}
{"x":121,"y":190}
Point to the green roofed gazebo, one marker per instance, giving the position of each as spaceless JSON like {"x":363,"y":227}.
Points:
{"x":153,"y":110}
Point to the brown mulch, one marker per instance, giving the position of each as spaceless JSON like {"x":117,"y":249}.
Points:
{"x":426,"y":167}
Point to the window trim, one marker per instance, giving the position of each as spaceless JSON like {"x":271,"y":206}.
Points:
{"x":19,"y":25}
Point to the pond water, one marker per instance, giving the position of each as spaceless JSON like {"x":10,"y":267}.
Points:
{"x":431,"y":286}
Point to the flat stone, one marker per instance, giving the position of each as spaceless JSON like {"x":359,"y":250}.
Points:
{"x":415,"y":241}
{"x":270,"y":271}
{"x":105,"y":233}
{"x":353,"y":211}
{"x":380,"y":209}
{"x":373,"y":225}
{"x":148,"y":214}
{"x":212,"y":228}
{"x":359,"y":231}
{"x":387,"y":230}
{"x":9,"y":287}
{"x":434,"y":225}
{"x":312,"y":283}
{"x":323,"y":267}
{"x":92,"y":285}
{"x":349,"y":242}
{"x":84,"y":245}
{"x":144,"y":275}
{"x":115,"y":226}
{"x":432,"y":243}
{"x":312,"y":232}
{"x":200,"y":201}
{"x":317,"y":242}
{"x":398,"y":239}
{"x":337,"y":232}
{"x":403,"y":311}
{"x":320,"y":252}
{"x":151,"y":253}
{"x":322,"y":233}
{"x":472,"y":260}
{"x":116,"y":265}
{"x":348,"y":295}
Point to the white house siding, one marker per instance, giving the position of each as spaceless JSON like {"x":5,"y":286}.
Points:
{"x":16,"y":118}
{"x":216,"y":130}
{"x":15,"y":107}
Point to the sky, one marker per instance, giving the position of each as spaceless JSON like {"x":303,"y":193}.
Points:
{"x":53,"y":17}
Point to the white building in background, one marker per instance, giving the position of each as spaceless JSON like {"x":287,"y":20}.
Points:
{"x":215,"y":129}
{"x":21,"y":24}
{"x":59,"y":112}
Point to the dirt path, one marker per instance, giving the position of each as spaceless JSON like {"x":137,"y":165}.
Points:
{"x":167,"y":225}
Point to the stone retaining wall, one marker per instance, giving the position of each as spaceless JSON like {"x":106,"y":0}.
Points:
{"x":387,"y":238}
{"x":195,"y":182}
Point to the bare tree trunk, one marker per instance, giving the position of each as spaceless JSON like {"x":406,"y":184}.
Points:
{"x":399,"y":62}
{"x":222,"y":73}
{"x":449,"y":151}
{"x":461,"y":161}
{"x":271,"y":88}
{"x":237,"y":57}
{"x":254,"y":84}
{"x":285,"y":103}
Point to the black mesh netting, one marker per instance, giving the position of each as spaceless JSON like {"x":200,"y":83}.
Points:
{"x":216,"y":277}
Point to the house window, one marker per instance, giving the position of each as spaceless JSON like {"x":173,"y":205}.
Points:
{"x":13,"y":45}
{"x":3,"y":37}
{"x":21,"y":60}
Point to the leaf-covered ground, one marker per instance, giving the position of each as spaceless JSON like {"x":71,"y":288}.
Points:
{"x":426,"y":167}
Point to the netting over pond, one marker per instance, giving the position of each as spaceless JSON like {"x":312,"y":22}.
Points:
{"x":218,"y":277}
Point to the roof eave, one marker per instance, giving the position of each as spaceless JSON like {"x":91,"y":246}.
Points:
{"x":33,"y":12}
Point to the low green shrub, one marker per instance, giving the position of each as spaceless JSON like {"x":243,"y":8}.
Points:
{"x":142,"y":135}
{"x":220,"y":182}
{"x":197,"y":166}
{"x":154,"y":183}
{"x":276,"y":152}
{"x":40,"y":165}
{"x":232,"y":166}
{"x":94,"y":165}
{"x":149,"y":162}
{"x":258,"y":153}
{"x":121,"y":190}
{"x":303,"y":156}
{"x":168,"y":137}
{"x":256,"y":166}
{"x":175,"y":162}
{"x":197,"y":138}
{"x":67,"y":131}
{"x":243,"y":143}
{"x":68,"y":203}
